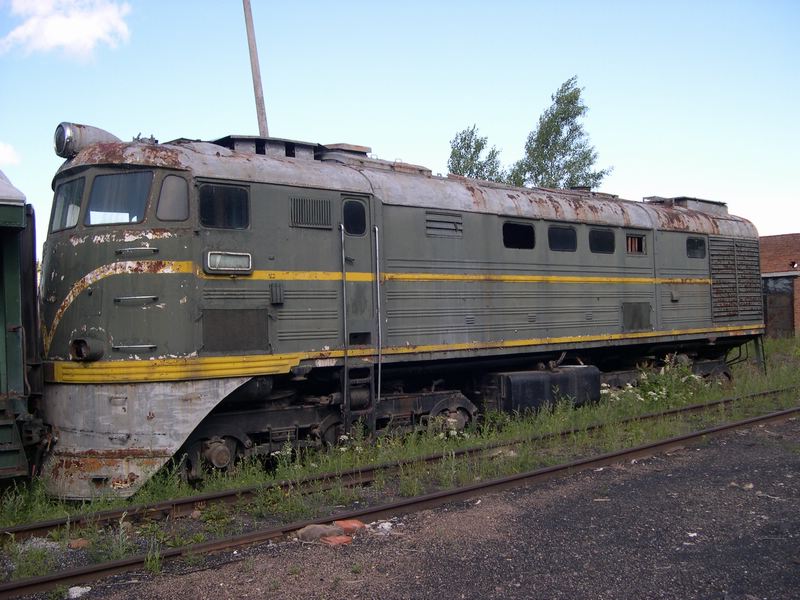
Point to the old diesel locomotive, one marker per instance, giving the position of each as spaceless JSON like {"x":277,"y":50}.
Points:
{"x":219,"y":299}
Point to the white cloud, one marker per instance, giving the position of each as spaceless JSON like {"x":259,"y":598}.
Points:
{"x":75,"y":27}
{"x":8,"y":155}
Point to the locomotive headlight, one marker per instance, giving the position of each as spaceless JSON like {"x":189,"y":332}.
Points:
{"x":62,"y":139}
{"x":71,"y":138}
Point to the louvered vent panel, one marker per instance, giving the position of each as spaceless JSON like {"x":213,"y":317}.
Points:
{"x":443,"y":224}
{"x":736,"y":280}
{"x":310,"y":212}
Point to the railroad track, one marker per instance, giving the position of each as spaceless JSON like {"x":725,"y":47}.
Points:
{"x":92,"y":572}
{"x":182,"y":507}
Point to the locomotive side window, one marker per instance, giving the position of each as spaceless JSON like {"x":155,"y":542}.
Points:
{"x":118,"y":198}
{"x":173,"y":202}
{"x":562,"y":239}
{"x":67,"y":204}
{"x":224,"y":207}
{"x":518,"y":235}
{"x":601,"y":241}
{"x":354,"y":217}
{"x":634,"y":244}
{"x":695,"y":247}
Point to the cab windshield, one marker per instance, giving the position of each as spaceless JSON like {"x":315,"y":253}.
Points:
{"x":118,"y":198}
{"x":67,"y":204}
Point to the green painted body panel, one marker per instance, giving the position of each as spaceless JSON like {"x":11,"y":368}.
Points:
{"x":13,"y":461}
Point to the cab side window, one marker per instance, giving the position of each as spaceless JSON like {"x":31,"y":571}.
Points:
{"x":173,"y":202}
{"x":224,"y":207}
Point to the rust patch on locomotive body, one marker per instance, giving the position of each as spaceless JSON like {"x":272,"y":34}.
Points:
{"x":102,"y":153}
{"x":137,"y":153}
{"x":158,"y":155}
{"x":147,"y":266}
{"x":85,"y":474}
{"x":684,"y":220}
{"x":478,"y":198}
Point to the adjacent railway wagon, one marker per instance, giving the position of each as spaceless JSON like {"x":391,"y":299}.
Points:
{"x":220,"y":299}
{"x":20,"y":376}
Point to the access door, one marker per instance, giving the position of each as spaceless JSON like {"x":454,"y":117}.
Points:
{"x":358,"y":271}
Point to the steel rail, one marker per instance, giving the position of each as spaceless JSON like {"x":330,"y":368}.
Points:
{"x":435,"y":499}
{"x":179,"y":507}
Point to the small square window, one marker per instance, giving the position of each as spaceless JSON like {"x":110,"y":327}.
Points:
{"x":634,"y":244}
{"x":562,"y":239}
{"x":224,"y":207}
{"x":601,"y":241}
{"x":518,"y":235}
{"x":695,"y":247}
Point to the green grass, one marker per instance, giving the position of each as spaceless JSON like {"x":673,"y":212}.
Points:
{"x":28,"y":561}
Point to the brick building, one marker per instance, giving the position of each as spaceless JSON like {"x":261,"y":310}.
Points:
{"x":780,"y":272}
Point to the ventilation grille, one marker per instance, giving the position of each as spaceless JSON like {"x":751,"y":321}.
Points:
{"x":242,"y":330}
{"x":310,"y":212}
{"x":443,"y":224}
{"x":736,"y":280}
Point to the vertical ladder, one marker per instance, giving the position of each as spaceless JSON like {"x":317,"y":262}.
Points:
{"x":359,"y":398}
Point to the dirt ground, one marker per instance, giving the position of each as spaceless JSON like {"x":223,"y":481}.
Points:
{"x":721,"y":520}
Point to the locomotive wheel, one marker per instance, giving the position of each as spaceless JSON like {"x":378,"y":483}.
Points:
{"x":451,"y":419}
{"x":330,"y":430}
{"x":721,"y":376}
{"x":206,"y":455}
{"x":457,"y":419}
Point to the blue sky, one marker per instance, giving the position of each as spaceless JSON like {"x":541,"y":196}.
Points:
{"x":685,"y":98}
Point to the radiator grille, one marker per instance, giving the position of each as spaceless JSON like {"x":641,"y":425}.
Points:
{"x":736,"y":280}
{"x":310,"y":212}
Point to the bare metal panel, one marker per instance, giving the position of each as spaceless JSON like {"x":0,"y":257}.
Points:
{"x":115,"y":436}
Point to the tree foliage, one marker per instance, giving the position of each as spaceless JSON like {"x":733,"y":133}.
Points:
{"x":558,"y":153}
{"x":466,"y":150}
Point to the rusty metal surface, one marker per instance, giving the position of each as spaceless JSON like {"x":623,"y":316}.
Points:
{"x":210,"y":160}
{"x":411,"y":185}
{"x":132,"y":429}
